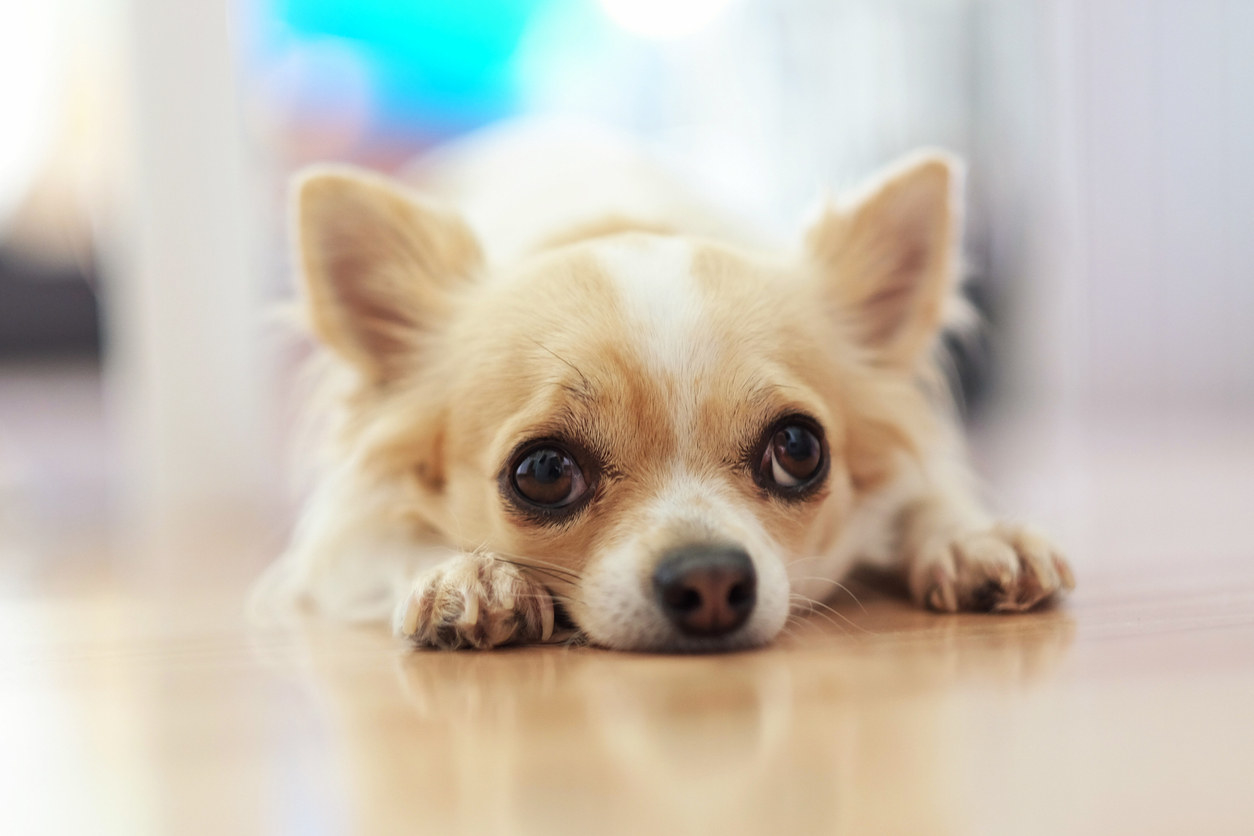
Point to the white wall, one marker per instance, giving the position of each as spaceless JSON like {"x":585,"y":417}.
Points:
{"x":1132,"y":147}
{"x":185,"y":363}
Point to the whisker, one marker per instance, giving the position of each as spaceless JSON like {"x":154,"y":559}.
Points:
{"x":547,"y":578}
{"x":836,"y":584}
{"x":824,"y":616}
{"x":814,"y":604}
{"x":534,"y":563}
{"x":555,"y":574}
{"x":802,"y":559}
{"x":794,"y":620}
{"x":582,"y":379}
{"x":541,"y":569}
{"x":830,"y":609}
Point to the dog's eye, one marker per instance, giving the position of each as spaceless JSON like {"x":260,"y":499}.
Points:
{"x":792,"y":458}
{"x":548,"y":477}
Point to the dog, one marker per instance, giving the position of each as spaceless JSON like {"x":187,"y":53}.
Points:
{"x":633,"y":424}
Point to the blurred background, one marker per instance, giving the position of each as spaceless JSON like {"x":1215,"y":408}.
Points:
{"x":147,"y":145}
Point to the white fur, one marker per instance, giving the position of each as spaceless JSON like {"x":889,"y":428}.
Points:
{"x":654,"y":278}
{"x":341,"y":558}
{"x":621,"y":609}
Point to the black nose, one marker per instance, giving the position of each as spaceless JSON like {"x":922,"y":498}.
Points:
{"x":706,"y":590}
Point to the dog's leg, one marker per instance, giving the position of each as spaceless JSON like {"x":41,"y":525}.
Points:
{"x":958,"y":559}
{"x":475,"y":600}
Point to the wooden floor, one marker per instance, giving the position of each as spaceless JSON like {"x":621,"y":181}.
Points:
{"x":135,"y":698}
{"x":152,"y":711}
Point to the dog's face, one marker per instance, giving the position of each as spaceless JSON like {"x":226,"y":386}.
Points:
{"x":666,"y":429}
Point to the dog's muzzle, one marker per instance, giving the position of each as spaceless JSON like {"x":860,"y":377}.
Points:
{"x":705,"y":589}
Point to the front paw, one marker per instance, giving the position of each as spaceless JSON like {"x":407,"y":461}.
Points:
{"x":477,"y":601}
{"x":1003,"y":569}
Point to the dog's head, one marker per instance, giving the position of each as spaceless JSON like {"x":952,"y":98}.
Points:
{"x":667,"y":429}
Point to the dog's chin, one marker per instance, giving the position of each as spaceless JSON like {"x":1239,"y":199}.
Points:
{"x":658,"y":636}
{"x":681,"y":644}
{"x":740,"y":640}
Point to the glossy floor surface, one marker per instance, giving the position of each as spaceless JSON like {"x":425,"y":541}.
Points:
{"x":135,"y":697}
{"x":146,"y":712}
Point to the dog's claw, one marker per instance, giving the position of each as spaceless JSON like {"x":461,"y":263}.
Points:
{"x":940,"y":597}
{"x":1064,"y":572}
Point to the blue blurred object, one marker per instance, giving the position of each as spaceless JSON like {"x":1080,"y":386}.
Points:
{"x":438,"y":67}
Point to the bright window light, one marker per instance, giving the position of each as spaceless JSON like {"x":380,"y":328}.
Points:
{"x":663,"y":18}
{"x":29,"y":81}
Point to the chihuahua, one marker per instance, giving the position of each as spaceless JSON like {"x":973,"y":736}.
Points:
{"x":634,"y":425}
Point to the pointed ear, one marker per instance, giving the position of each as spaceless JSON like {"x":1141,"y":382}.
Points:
{"x":381,"y":269}
{"x":888,"y":257}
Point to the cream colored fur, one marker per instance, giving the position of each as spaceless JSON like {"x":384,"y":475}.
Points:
{"x":662,"y":346}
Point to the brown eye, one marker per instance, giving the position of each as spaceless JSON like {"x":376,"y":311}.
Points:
{"x":793,"y":458}
{"x":548,"y":477}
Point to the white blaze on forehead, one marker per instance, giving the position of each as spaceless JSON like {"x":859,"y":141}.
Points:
{"x":654,"y":278}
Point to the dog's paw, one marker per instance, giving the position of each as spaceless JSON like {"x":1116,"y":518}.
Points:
{"x":475,"y":601}
{"x":1003,"y":569}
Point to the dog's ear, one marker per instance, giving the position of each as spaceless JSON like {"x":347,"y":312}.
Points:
{"x":381,"y":269}
{"x":888,"y":257}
